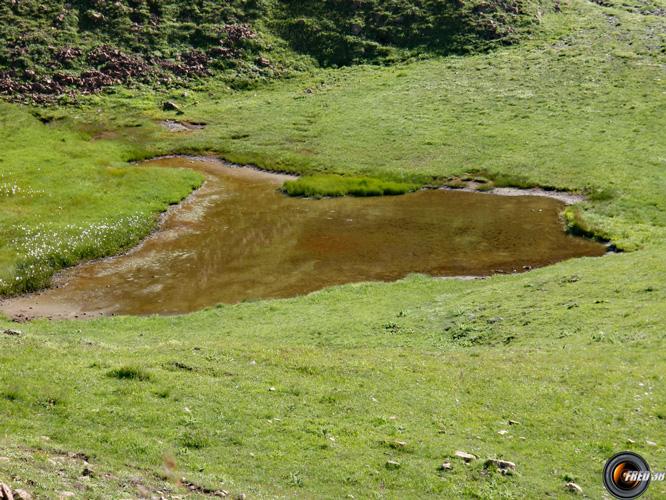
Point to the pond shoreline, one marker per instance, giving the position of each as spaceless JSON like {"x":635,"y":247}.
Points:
{"x":30,"y":306}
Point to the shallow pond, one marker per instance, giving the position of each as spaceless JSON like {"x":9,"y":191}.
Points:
{"x":238,"y":238}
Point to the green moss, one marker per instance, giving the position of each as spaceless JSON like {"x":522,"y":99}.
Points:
{"x":336,"y":185}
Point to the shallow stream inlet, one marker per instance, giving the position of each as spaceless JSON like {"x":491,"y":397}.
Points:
{"x":238,"y":238}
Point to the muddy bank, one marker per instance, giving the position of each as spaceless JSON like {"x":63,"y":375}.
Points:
{"x":563,"y":196}
{"x":238,"y":238}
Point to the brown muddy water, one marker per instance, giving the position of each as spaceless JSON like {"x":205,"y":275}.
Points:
{"x":238,"y":238}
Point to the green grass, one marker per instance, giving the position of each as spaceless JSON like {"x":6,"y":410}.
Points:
{"x":307,"y":397}
{"x":571,"y":352}
{"x":71,"y":197}
{"x":337,"y":185}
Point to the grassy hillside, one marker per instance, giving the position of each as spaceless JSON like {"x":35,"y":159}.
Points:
{"x":56,"y":50}
{"x":361,"y":390}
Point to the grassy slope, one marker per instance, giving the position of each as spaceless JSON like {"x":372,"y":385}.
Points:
{"x":581,"y":109}
{"x":66,"y":197}
{"x":573,"y":352}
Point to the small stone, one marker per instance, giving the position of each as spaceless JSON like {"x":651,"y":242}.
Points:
{"x":631,"y":441}
{"x":502,"y":432}
{"x":514,"y":422}
{"x":467,"y":457}
{"x":502,"y":465}
{"x":573,"y":487}
{"x":87,"y":472}
{"x":66,"y":494}
{"x":5,"y":492}
{"x":392,"y":464}
{"x":446,"y":466}
{"x":22,"y":495}
{"x":240,"y":496}
{"x":650,"y":443}
{"x":13,"y":333}
{"x":172,"y":106}
{"x":271,"y":389}
{"x":398,"y":444}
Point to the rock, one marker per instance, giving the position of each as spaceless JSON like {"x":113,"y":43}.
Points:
{"x":503,"y":465}
{"x":392,"y":464}
{"x":502,"y":432}
{"x":467,"y":457}
{"x":87,"y":472}
{"x":446,"y":466}
{"x":271,"y":389}
{"x":514,"y":422}
{"x":22,"y":495}
{"x":573,"y":487}
{"x":13,"y":333}
{"x":172,"y":106}
{"x":5,"y":492}
{"x":650,"y":443}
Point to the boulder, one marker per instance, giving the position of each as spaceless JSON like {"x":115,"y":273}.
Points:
{"x":467,"y":457}
{"x":574,"y":488}
{"x":171,"y":106}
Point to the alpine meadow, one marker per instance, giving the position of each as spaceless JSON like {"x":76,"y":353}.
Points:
{"x":520,"y":382}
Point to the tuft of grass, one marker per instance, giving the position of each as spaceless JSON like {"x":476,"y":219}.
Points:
{"x":577,"y":225}
{"x":130,"y":373}
{"x":317,"y":186}
{"x":600,"y":194}
{"x":194,"y":439}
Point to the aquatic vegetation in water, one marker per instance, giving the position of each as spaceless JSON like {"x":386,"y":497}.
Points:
{"x":316,"y":186}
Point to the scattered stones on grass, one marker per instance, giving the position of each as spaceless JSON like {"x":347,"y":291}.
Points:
{"x":195,"y":488}
{"x":12,"y":333}
{"x":466,"y":457}
{"x":392,"y":464}
{"x":504,"y":466}
{"x":446,"y":466}
{"x":574,"y":488}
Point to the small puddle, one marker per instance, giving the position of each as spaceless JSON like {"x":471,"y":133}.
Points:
{"x":238,"y":238}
